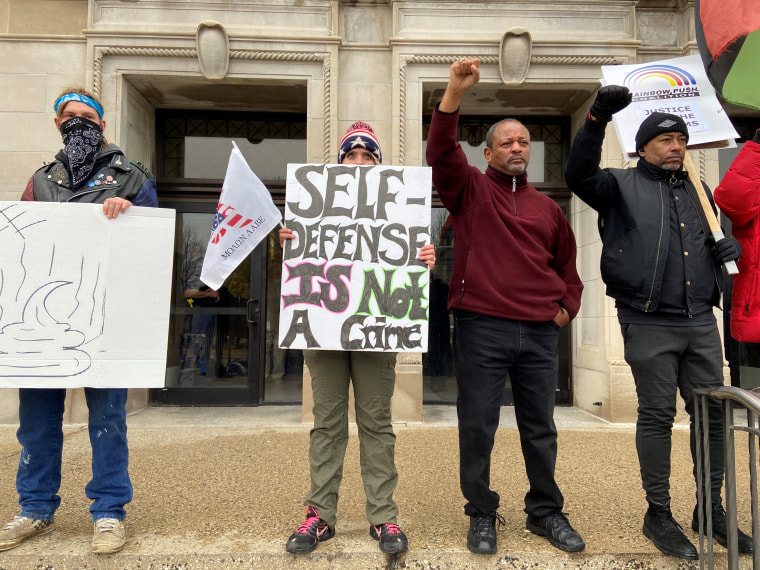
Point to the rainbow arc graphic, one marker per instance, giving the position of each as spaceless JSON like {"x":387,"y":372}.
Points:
{"x":674,"y":76}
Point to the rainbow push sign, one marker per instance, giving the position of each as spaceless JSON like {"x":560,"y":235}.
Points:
{"x":658,"y":81}
{"x":678,"y":86}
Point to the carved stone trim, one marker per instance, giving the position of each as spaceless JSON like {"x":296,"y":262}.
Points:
{"x":102,"y":52}
{"x":702,"y":165}
{"x":326,"y":92}
{"x":213,"y":46}
{"x":405,"y":60}
{"x":402,"y":110}
{"x":515,"y":55}
{"x":577,"y":60}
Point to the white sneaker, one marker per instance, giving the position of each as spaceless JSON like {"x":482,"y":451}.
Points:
{"x":21,"y":528}
{"x":109,"y":536}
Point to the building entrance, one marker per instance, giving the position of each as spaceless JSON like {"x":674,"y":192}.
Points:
{"x":222,"y":346}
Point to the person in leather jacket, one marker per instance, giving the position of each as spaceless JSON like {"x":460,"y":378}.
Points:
{"x":86,"y":170}
{"x":661,"y":265}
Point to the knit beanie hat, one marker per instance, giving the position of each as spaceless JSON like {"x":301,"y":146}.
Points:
{"x":360,"y":135}
{"x":658,"y":123}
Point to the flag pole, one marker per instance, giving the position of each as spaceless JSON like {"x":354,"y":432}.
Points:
{"x":712,"y":220}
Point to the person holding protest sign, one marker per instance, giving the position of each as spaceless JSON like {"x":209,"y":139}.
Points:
{"x":513,"y":286}
{"x":660,"y":266}
{"x":373,"y":376}
{"x":738,"y":196}
{"x":87,"y":170}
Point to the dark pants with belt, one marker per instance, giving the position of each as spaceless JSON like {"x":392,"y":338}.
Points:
{"x":487,"y":348}
{"x":666,"y":360}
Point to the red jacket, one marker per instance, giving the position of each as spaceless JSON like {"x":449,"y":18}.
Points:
{"x":738,"y":195}
{"x":514,"y":250}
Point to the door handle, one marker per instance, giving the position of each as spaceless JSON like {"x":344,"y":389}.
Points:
{"x":253,"y":315}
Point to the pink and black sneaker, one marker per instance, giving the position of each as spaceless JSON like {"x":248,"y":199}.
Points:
{"x":313,"y":531}
{"x":391,"y":537}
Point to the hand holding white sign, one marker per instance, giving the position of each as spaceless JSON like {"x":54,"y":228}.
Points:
{"x":679,"y":87}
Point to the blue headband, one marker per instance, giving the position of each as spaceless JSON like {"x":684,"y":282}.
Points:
{"x":89,"y":101}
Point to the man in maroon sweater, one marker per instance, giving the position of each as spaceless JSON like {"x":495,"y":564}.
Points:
{"x":513,"y":287}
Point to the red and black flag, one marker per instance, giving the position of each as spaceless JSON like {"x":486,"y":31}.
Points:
{"x":728,"y":36}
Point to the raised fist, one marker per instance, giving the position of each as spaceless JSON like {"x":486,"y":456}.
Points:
{"x":610,"y":100}
{"x":464,"y":73}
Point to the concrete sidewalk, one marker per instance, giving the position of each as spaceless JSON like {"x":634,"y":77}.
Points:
{"x":223,"y":488}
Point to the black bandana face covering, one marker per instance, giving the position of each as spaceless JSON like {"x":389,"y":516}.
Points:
{"x":82,"y":139}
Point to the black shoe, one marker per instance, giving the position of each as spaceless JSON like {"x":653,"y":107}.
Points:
{"x":720,"y":529}
{"x":557,"y":530}
{"x":665,"y":533}
{"x":313,"y":531}
{"x":391,"y":537}
{"x":482,"y":536}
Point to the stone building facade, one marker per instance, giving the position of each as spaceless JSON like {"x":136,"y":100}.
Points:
{"x":333,"y":62}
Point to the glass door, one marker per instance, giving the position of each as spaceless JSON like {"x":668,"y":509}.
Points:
{"x":215,"y":340}
{"x":223,"y":344}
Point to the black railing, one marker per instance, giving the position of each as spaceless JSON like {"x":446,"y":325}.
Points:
{"x":730,"y":397}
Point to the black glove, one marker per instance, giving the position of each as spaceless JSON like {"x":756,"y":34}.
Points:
{"x":726,"y":249}
{"x":756,"y":138}
{"x":610,"y":100}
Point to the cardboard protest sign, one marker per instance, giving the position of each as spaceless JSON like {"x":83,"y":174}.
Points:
{"x":351,"y":279}
{"x":84,"y":300}
{"x":677,"y":86}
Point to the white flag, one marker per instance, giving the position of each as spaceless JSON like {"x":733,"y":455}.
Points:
{"x":244,"y":217}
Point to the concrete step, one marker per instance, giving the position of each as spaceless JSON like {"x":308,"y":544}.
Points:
{"x":351,"y":554}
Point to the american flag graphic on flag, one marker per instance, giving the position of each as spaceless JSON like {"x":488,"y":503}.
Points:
{"x":223,"y":212}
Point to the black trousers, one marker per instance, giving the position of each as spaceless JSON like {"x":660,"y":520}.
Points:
{"x":665,"y":361}
{"x":487,"y":348}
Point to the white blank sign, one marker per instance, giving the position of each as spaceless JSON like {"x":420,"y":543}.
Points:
{"x":84,"y":300}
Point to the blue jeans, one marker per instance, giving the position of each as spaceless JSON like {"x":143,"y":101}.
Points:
{"x":40,"y":434}
{"x":487,"y":349}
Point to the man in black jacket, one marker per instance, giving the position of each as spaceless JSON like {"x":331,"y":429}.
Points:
{"x":660,"y":265}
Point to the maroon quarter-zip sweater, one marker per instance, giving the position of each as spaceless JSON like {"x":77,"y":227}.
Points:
{"x":514,"y":250}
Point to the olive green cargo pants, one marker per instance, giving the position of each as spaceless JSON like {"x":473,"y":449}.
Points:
{"x":373,"y":376}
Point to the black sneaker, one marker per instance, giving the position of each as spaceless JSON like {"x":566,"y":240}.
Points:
{"x":481,"y":539}
{"x":391,"y":537}
{"x":720,"y":529}
{"x":557,"y":530}
{"x":665,"y":533}
{"x":313,"y":531}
